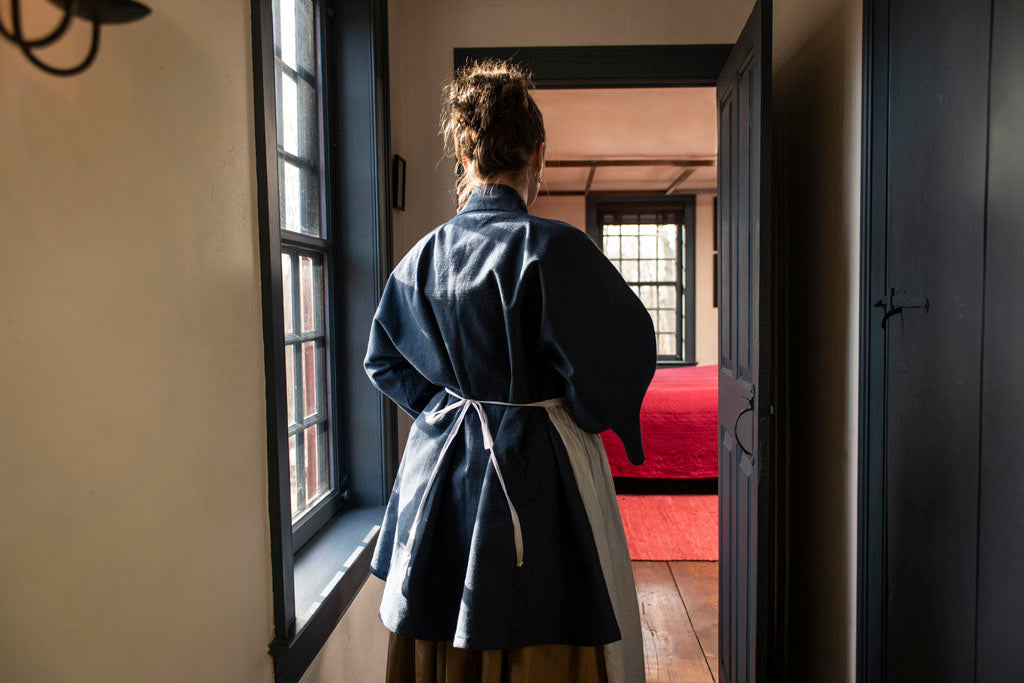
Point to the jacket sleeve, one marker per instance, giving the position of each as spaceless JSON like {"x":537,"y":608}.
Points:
{"x":598,"y":336}
{"x":385,"y":365}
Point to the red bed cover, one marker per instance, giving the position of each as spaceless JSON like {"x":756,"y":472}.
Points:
{"x":679,"y":423}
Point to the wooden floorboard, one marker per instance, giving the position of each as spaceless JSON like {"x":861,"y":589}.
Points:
{"x":698,"y":586}
{"x":672,"y":652}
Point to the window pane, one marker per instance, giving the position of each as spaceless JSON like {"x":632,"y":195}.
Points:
{"x":312,"y":473}
{"x":666,"y":321}
{"x":667,"y":241}
{"x":299,"y":194}
{"x":649,"y":295}
{"x":667,"y":345}
{"x":311,"y":469}
{"x":287,"y":293}
{"x":289,"y":372}
{"x":293,"y":32}
{"x":311,"y":287}
{"x":630,"y":244}
{"x":312,"y":463}
{"x":293,"y":471}
{"x":297,"y":125}
{"x":630,"y":270}
{"x":648,"y":242}
{"x":666,"y":297}
{"x":667,"y":270}
{"x":310,"y":380}
{"x":611,"y":246}
{"x":647,"y":271}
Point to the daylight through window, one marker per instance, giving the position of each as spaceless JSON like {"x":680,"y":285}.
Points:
{"x":304,"y":249}
{"x":647,"y":248}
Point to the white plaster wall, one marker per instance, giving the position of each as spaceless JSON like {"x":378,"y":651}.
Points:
{"x":817,"y":127}
{"x":134,"y":488}
{"x":357,"y":649}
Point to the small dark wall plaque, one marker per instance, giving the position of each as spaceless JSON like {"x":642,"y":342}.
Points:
{"x":398,"y":183}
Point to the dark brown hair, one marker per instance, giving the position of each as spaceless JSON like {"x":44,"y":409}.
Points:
{"x":489,"y":116}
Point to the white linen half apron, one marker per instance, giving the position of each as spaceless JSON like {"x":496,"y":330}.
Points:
{"x":624,"y":659}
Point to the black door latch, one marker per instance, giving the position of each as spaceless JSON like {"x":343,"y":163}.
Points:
{"x":896,"y":304}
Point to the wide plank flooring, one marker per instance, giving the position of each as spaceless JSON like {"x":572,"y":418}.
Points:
{"x":679,"y":615}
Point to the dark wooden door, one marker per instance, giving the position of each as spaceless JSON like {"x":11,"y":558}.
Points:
{"x":745,"y":331}
{"x":949,"y":96}
{"x":937,"y":151}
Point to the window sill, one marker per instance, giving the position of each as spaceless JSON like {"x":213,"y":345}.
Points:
{"x":329,"y":571}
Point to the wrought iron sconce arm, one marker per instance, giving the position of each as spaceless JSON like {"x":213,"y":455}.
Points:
{"x":97,"y":11}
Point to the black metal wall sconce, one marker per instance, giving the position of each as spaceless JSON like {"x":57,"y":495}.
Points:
{"x":97,"y":11}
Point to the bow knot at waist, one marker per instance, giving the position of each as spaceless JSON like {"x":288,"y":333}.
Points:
{"x":463,"y":404}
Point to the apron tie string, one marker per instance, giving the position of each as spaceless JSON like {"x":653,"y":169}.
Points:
{"x":463,"y":405}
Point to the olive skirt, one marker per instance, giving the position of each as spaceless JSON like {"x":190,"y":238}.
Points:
{"x":424,"y":661}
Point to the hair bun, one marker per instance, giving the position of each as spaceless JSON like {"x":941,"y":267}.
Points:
{"x":490,"y":117}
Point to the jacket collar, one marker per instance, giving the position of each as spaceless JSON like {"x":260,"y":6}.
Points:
{"x":494,"y":197}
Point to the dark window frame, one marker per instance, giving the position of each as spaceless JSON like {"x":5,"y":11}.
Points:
{"x":357,"y":252}
{"x":686,"y":280}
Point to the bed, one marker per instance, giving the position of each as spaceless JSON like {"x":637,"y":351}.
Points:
{"x":679,"y":423}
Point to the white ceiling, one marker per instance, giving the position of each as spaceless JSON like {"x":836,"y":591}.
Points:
{"x":656,"y":123}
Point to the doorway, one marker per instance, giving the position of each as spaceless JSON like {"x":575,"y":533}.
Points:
{"x":748,"y":612}
{"x":637,"y":169}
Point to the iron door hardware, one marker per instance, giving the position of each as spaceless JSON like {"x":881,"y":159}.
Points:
{"x":895,"y":305}
{"x":736,"y":424}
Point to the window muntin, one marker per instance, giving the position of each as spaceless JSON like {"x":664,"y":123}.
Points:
{"x":304,"y":256}
{"x":648,"y":249}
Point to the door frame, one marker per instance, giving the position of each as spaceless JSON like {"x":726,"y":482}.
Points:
{"x":871,"y":512}
{"x":639,"y":66}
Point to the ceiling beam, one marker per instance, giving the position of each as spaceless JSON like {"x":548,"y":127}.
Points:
{"x":680,"y":179}
{"x":591,"y":163}
{"x":590,"y":180}
{"x":617,"y":193}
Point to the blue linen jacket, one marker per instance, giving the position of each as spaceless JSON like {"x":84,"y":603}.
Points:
{"x":498,"y":304}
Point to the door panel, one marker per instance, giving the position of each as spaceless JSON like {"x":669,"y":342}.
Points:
{"x":744,"y":350}
{"x":1001,"y":523}
{"x":938,"y":79}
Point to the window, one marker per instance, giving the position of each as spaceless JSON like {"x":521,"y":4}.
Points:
{"x":650,"y":242}
{"x":324,"y":256}
{"x":305,"y":262}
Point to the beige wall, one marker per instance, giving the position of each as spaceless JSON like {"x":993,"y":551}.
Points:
{"x":573,"y":210}
{"x":707,"y":314}
{"x":817,"y":125}
{"x":357,"y":650}
{"x":134,"y":488}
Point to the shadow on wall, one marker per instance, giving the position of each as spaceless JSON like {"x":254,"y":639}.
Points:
{"x":816,"y":129}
